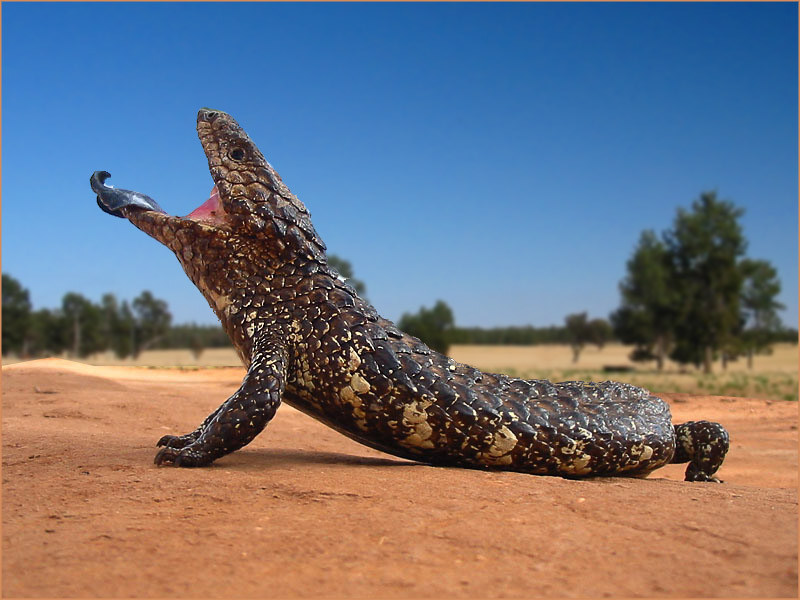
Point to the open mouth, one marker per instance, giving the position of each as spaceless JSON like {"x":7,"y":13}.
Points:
{"x":209,"y":211}
{"x":113,"y":200}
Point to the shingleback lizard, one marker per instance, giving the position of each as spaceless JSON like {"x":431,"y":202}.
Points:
{"x":308,"y":339}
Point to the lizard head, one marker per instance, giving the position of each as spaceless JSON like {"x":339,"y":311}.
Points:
{"x":250,"y":226}
{"x":249,"y":204}
{"x":253,"y":199}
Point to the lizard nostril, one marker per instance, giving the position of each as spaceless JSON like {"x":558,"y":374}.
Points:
{"x":209,"y":115}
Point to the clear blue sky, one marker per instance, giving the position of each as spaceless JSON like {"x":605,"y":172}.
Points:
{"x":502,"y":157}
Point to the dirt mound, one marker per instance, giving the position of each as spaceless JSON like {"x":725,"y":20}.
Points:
{"x":304,"y":511}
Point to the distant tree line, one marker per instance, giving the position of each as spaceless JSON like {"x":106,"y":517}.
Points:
{"x":436,"y":327}
{"x":81,"y":327}
{"x":195,"y":337}
{"x":516,"y":335}
{"x":690,"y":295}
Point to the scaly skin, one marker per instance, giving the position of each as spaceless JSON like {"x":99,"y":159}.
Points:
{"x":309,"y":340}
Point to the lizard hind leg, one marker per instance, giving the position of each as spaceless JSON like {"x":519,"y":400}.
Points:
{"x":703,"y":444}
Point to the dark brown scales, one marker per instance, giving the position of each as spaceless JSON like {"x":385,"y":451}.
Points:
{"x":309,"y":340}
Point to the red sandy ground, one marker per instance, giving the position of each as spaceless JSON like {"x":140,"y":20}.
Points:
{"x":304,"y":511}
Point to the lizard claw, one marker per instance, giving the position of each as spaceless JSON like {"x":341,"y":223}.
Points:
{"x":165,"y":456}
{"x":175,"y":441}
{"x":174,"y":457}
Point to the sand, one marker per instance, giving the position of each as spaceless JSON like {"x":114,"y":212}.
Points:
{"x":304,"y":511}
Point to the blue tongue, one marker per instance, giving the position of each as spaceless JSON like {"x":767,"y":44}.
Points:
{"x":113,"y":200}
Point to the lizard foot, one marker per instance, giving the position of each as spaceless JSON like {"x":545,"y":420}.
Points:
{"x":695,"y":474}
{"x":703,"y":445}
{"x":180,"y":457}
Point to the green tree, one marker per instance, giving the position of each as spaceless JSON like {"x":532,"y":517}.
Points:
{"x":759,"y":306}
{"x":118,"y":325}
{"x":73,"y":307}
{"x":345,"y":269}
{"x":705,"y":246}
{"x":48,"y":333}
{"x":125,"y":331}
{"x":432,"y":326}
{"x":109,"y":316}
{"x":646,"y":317}
{"x":197,"y":346}
{"x":83,"y":321}
{"x":577,"y":325}
{"x":582,"y":331}
{"x":16,"y":309}
{"x":600,"y":332}
{"x":152,"y":320}
{"x":694,"y":294}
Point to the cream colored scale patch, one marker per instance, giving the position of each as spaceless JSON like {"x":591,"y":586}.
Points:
{"x":350,"y":394}
{"x":499,"y":452}
{"x":415,"y":417}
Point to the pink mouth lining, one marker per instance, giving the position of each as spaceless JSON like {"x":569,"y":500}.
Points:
{"x":210,"y":211}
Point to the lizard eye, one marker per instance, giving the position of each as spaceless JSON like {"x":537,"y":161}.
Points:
{"x":236,"y":154}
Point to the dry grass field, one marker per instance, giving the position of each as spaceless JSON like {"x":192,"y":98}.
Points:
{"x":773,"y":377}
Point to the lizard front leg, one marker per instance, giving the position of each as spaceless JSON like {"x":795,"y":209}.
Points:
{"x":240,"y":418}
